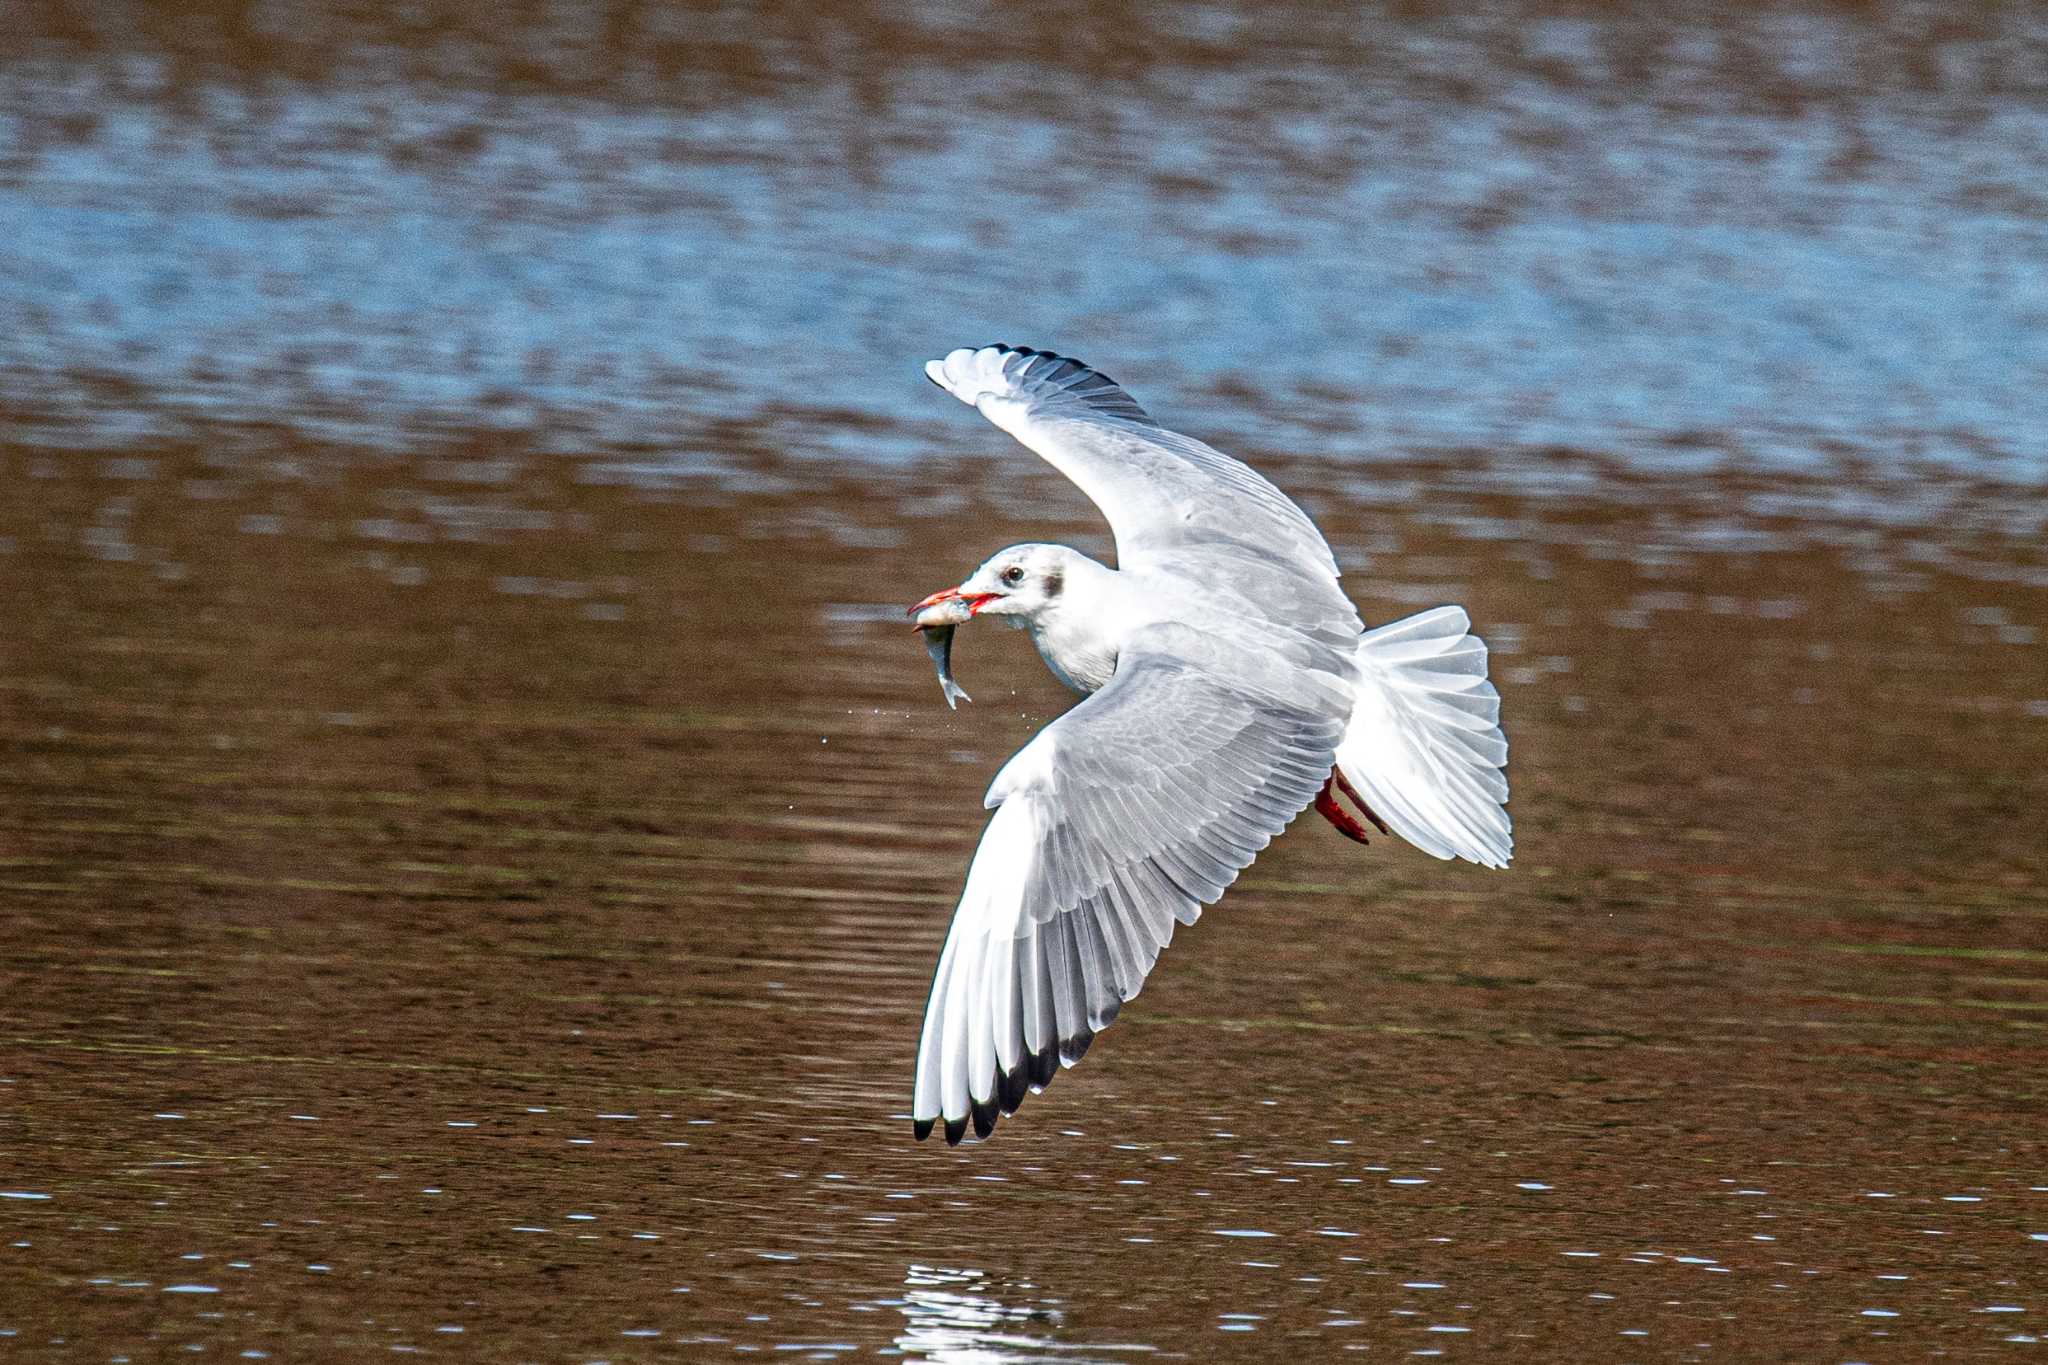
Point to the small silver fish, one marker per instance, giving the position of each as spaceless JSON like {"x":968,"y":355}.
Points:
{"x":937,"y":623}
{"x":938,"y":642}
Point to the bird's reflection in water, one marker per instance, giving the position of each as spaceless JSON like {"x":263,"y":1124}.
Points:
{"x":952,"y":1318}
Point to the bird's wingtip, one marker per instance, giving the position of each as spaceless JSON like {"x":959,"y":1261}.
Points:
{"x":984,"y":1114}
{"x":1034,"y":378}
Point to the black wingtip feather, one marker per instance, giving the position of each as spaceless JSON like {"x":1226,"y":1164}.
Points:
{"x":921,"y":1128}
{"x":1076,"y":378}
{"x":1044,"y":1065}
{"x":984,"y":1116}
{"x":955,"y":1130}
{"x":1075,"y":1048}
{"x":1012,"y":1087}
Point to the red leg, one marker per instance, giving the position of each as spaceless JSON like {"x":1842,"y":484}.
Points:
{"x":1326,"y":805}
{"x":1344,"y":783}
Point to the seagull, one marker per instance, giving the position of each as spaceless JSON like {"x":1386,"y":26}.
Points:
{"x":1228,"y":685}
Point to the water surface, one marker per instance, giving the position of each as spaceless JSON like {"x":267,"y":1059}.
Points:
{"x":475,"y":831}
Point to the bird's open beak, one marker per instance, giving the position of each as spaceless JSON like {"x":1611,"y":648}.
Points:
{"x":971,"y":601}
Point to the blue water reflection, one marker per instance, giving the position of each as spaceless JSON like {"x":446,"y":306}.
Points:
{"x":1422,"y":236}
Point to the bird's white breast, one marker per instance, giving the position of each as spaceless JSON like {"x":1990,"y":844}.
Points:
{"x":1082,"y":636}
{"x":1083,"y":659}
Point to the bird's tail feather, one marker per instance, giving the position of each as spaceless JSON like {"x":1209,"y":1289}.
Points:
{"x":1424,"y":747}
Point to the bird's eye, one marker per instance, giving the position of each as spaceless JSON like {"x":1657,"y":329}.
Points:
{"x":1013,"y":575}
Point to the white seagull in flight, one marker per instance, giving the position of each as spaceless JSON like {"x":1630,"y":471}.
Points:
{"x":1229,"y":684}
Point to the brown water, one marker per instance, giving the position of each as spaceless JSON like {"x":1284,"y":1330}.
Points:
{"x":474,"y":832}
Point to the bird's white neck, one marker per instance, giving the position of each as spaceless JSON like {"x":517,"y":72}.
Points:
{"x":1080,"y":633}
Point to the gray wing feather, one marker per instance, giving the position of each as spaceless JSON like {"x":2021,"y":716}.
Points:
{"x":1120,"y":821}
{"x":1056,"y":383}
{"x":1163,"y":493}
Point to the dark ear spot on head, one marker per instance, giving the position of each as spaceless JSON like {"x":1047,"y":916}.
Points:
{"x":1055,"y":582}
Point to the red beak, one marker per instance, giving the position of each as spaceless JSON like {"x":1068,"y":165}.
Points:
{"x":975,"y":600}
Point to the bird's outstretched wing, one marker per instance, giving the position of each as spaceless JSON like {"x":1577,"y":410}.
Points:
{"x":1128,"y":814}
{"x":1167,"y":496}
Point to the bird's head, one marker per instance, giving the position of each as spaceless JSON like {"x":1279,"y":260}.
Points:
{"x":1020,"y":584}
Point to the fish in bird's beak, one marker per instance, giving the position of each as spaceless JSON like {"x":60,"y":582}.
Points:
{"x":950,"y":607}
{"x":936,"y":616}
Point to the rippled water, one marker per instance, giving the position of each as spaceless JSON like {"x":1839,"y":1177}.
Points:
{"x":475,"y":832}
{"x":1789,"y":238}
